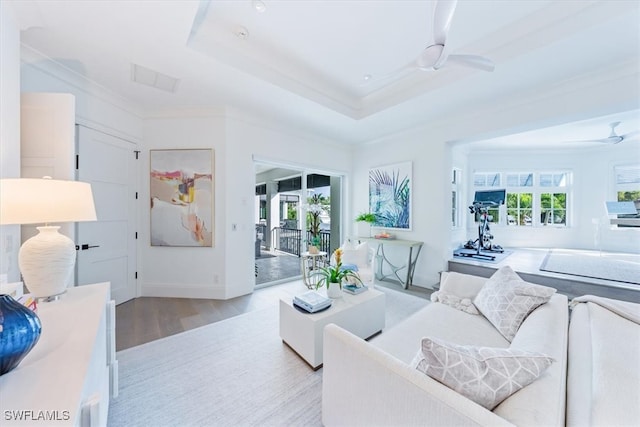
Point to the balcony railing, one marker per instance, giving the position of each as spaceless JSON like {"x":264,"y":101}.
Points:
{"x":289,"y":240}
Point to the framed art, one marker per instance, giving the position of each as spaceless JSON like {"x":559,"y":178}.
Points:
{"x":390,"y":195}
{"x":181,"y":190}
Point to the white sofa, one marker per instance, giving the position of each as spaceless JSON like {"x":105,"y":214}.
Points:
{"x":603,"y":383}
{"x":372,"y":383}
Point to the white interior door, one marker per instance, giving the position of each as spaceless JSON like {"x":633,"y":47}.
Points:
{"x":107,"y":247}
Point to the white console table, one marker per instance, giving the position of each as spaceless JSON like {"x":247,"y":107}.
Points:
{"x":413,"y":248}
{"x":71,"y":373}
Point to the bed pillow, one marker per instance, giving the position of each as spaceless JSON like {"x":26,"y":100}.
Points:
{"x":506,"y":300}
{"x":485,"y":375}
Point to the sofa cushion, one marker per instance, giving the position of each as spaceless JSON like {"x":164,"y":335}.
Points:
{"x":461,"y":285}
{"x":506,"y":300}
{"x":358,"y":255}
{"x":485,"y":375}
{"x":438,"y":321}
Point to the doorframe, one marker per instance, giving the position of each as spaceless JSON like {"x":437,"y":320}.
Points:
{"x":135,"y":216}
{"x":305,"y":169}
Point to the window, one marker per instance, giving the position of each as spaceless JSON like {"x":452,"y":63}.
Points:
{"x":519,"y":208}
{"x":627,"y":183}
{"x":531,"y":195}
{"x":486,"y":179}
{"x":553,"y":205}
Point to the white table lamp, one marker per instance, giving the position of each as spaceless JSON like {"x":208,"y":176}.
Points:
{"x":47,"y":259}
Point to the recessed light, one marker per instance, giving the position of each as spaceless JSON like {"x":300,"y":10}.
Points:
{"x":242,"y":32}
{"x":259,"y":6}
{"x":367,"y":77}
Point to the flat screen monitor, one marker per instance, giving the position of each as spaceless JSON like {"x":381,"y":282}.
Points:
{"x":490,"y":197}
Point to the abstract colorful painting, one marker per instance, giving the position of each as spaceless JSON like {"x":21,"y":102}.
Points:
{"x":181,"y":192}
{"x":390,"y":196}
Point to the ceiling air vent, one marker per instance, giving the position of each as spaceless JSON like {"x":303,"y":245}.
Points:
{"x":146,"y":76}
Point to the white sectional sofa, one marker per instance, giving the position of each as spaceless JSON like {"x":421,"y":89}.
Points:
{"x":603,"y":384}
{"x":373,"y":383}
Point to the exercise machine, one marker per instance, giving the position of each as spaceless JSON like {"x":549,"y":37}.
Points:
{"x":482,"y":202}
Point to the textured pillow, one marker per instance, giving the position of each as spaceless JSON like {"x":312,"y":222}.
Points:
{"x":506,"y":300}
{"x":358,"y":255}
{"x":485,"y":375}
{"x":462,"y":304}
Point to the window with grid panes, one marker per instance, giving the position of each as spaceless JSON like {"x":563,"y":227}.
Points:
{"x":533,"y":197}
{"x":627,"y":183}
{"x":553,"y":203}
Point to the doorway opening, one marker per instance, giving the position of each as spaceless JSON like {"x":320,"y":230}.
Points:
{"x":293,"y":208}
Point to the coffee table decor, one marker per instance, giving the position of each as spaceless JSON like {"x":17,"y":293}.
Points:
{"x":333,"y":276}
{"x":312,"y":302}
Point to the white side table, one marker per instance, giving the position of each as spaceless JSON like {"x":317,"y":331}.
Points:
{"x":362,"y":314}
{"x":309,"y":264}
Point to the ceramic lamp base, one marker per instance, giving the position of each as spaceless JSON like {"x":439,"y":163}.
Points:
{"x":46,"y":262}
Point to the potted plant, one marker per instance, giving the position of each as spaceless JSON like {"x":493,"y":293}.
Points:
{"x":367,"y":219}
{"x":333,"y":276}
{"x":314,"y":244}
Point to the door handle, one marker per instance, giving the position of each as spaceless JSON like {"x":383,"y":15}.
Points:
{"x":86,"y":246}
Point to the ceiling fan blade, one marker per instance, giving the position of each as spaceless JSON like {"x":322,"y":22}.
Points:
{"x":607,"y":140}
{"x":393,"y":74}
{"x":630,"y":135}
{"x":442,"y":15}
{"x":473,"y":61}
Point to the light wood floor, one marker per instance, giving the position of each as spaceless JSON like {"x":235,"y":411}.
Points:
{"x":149,"y":318}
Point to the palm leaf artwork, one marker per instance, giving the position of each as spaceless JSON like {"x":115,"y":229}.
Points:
{"x":389,"y":197}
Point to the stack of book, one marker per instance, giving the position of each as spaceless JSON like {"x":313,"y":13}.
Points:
{"x":311,"y":302}
{"x":354,"y":289}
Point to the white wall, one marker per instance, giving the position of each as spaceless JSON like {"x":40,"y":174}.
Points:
{"x":9,"y":132}
{"x":430,"y":221}
{"x":95,"y":107}
{"x":196,"y":272}
{"x":226,"y":270}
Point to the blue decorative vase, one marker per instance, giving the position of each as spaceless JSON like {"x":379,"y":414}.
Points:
{"x":19,"y":332}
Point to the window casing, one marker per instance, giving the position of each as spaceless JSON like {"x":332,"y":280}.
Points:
{"x":456,"y":180}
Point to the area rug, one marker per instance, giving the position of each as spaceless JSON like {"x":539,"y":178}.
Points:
{"x":463,"y":253}
{"x":236,"y":372}
{"x":623,"y":268}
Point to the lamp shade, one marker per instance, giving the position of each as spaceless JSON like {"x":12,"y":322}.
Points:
{"x":45,"y":201}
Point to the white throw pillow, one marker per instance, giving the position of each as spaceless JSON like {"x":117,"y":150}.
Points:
{"x":462,"y":304}
{"x":506,"y":300}
{"x":485,"y":375}
{"x":358,"y":255}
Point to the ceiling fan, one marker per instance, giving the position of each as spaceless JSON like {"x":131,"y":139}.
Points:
{"x":436,"y":55}
{"x":613,"y":137}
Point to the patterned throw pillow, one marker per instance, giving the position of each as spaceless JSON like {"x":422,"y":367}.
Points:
{"x":506,"y":300}
{"x":462,"y":304}
{"x":485,"y":375}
